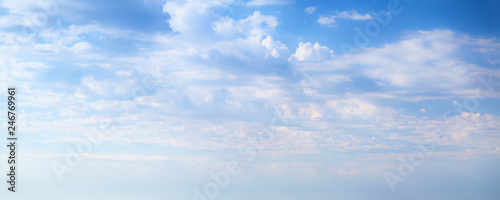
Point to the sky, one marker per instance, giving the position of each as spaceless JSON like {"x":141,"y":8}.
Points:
{"x":252,"y":99}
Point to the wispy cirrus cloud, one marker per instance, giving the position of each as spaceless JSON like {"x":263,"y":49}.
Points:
{"x":350,"y":15}
{"x":269,"y":2}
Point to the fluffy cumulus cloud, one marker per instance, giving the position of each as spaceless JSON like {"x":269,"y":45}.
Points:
{"x":275,"y":48}
{"x":246,"y":37}
{"x":224,"y":26}
{"x":309,"y":52}
{"x":256,"y":25}
{"x":191,"y":15}
{"x":326,"y":20}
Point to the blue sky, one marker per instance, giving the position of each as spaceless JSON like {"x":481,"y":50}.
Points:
{"x":278,"y":99}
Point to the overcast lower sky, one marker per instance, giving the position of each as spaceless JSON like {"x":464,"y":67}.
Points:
{"x":260,"y":99}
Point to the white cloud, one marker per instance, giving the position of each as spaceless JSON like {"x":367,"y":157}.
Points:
{"x":19,"y":70}
{"x":423,"y":110}
{"x":72,"y":34}
{"x":107,"y":87}
{"x":310,"y":9}
{"x":191,"y":15}
{"x":246,"y":38}
{"x":324,"y":20}
{"x":81,"y":47}
{"x":424,"y":61}
{"x":249,"y":35}
{"x":252,"y":25}
{"x":50,"y":47}
{"x":275,"y":48}
{"x":350,"y":108}
{"x":309,"y":52}
{"x":31,"y":13}
{"x":269,"y":2}
{"x":352,"y":15}
{"x":493,"y":62}
{"x":78,"y":47}
{"x":123,"y":73}
{"x":311,"y":110}
{"x":92,"y":84}
{"x":10,"y":20}
{"x":225,"y":26}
